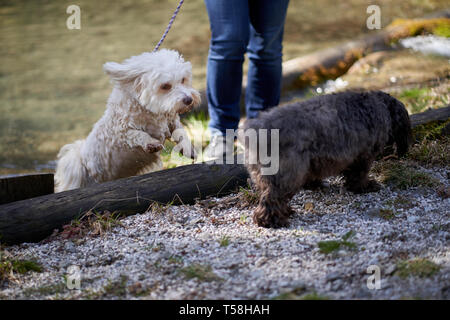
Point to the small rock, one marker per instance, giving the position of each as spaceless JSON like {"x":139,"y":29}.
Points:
{"x":333,"y":276}
{"x":69,"y":246}
{"x":372,"y":213}
{"x":390,"y":269}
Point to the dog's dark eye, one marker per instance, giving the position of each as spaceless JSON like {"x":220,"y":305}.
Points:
{"x":183,"y":80}
{"x":166,"y":86}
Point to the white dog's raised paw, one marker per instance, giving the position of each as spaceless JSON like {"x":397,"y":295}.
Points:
{"x":151,"y":148}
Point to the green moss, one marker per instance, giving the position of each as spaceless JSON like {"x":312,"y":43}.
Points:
{"x":403,"y":177}
{"x":200,"y":272}
{"x":430,"y":131}
{"x":24,"y":266}
{"x":299,"y":294}
{"x":387,"y":214}
{"x":224,"y":241}
{"x":417,"y":267}
{"x":330,"y":246}
{"x":414,"y":93}
{"x":414,"y":27}
{"x":314,"y":296}
{"x":442,"y":30}
{"x":47,"y":290}
{"x":175,"y":259}
{"x":117,"y":288}
{"x":8,"y":266}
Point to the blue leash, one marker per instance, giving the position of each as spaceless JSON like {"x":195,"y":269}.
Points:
{"x":169,"y":26}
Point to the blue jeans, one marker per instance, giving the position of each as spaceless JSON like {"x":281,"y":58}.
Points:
{"x":254,"y":27}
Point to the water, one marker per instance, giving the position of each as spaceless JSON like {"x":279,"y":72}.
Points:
{"x":428,"y":45}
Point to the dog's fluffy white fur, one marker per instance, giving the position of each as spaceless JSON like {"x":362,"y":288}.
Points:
{"x":150,"y":91}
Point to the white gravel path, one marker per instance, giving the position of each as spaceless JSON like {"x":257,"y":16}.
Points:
{"x":149,"y":255}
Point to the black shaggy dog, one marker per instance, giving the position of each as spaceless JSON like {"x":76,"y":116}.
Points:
{"x":327,"y":135}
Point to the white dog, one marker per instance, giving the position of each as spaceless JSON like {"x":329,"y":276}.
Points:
{"x":150,"y":91}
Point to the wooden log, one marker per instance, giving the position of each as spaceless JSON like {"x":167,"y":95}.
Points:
{"x":34,"y":219}
{"x":21,"y":187}
{"x":431,"y":115}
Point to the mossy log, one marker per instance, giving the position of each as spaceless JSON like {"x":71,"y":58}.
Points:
{"x":34,"y":219}
{"x":431,"y":115}
{"x":431,"y":124}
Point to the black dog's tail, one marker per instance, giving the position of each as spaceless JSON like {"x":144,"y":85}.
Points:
{"x":401,"y":125}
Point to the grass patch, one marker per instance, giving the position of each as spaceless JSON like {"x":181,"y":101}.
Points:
{"x":428,"y":152}
{"x":416,"y":99}
{"x":92,"y":223}
{"x":314,"y":296}
{"x":400,"y":202}
{"x":249,"y":196}
{"x":330,"y":246}
{"x":299,"y":294}
{"x":422,"y":268}
{"x":53,"y":289}
{"x":420,"y":99}
{"x":175,"y":259}
{"x":403,"y":177}
{"x":243,"y":218}
{"x":159,"y":208}
{"x":431,"y":131}
{"x":224,"y":241}
{"x":387,"y":214}
{"x":432,"y":145}
{"x":9,"y":267}
{"x":117,"y":288}
{"x":200,"y":272}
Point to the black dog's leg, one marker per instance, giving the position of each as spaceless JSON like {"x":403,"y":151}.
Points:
{"x":356,"y":176}
{"x":273,"y":210}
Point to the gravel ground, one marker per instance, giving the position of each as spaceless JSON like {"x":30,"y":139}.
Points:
{"x":213,"y":250}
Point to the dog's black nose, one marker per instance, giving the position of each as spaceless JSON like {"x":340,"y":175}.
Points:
{"x":187,"y":100}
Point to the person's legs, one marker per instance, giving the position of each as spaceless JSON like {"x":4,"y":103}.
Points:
{"x":267,"y":19}
{"x":229,"y":22}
